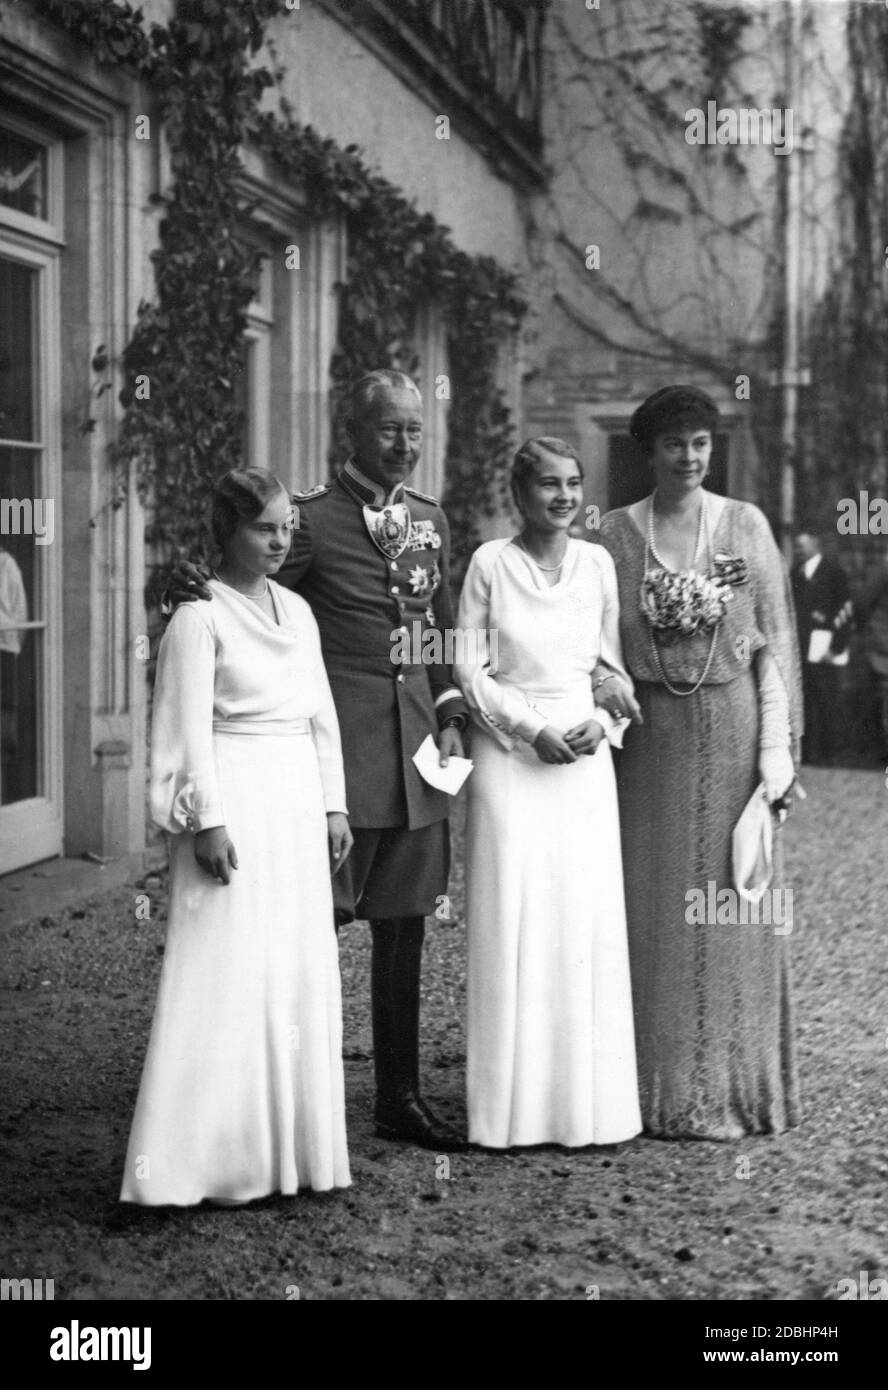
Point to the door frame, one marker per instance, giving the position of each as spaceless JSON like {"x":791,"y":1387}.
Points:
{"x":33,"y":829}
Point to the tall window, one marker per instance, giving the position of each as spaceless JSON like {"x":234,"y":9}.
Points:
{"x":430,"y":340}
{"x":253,"y":389}
{"x":30,"y":522}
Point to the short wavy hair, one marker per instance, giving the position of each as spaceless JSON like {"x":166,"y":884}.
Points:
{"x":364,"y":391}
{"x":241,"y":494}
{"x":527,"y":457}
{"x":672,"y":408}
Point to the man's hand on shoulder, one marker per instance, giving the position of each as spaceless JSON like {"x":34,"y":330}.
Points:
{"x":187,"y":582}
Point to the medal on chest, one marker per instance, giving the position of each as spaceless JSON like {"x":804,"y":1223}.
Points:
{"x":389,"y":528}
{"x":423,"y":536}
{"x":424,"y":581}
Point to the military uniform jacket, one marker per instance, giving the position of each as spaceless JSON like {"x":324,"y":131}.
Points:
{"x":371,"y":607}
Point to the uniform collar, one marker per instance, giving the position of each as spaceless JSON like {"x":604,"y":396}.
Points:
{"x":365,"y":490}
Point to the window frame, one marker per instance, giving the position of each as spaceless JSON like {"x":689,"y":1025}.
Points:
{"x":38,"y":821}
{"x":50,"y":228}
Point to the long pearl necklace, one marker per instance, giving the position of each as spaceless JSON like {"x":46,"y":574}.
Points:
{"x":651,"y":547}
{"x":650,"y":533}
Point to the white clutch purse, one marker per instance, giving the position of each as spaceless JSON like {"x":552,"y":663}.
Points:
{"x":752,"y":846}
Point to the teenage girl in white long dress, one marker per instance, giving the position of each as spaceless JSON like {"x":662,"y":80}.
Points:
{"x":551,"y":1051}
{"x":242,"y":1091}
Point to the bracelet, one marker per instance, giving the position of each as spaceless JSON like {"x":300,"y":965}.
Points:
{"x":602,"y":679}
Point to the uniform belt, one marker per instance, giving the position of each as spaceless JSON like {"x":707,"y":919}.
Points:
{"x":278,"y":727}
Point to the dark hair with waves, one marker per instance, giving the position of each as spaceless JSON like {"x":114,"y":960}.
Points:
{"x":672,"y":408}
{"x":241,"y":494}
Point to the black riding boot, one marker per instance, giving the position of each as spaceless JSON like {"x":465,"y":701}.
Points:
{"x":395,"y":971}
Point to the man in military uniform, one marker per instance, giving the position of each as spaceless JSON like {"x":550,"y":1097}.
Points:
{"x":371,"y":556}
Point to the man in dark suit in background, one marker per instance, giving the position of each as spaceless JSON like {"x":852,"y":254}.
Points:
{"x":823,"y":612}
{"x":872,"y":621}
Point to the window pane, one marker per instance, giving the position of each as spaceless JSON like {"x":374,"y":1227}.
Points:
{"x":18,"y":298}
{"x":22,"y":174}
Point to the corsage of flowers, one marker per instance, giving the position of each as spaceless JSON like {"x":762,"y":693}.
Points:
{"x":681,"y":605}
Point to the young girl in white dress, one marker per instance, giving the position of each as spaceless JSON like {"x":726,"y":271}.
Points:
{"x":551,"y":1049}
{"x":242,"y":1092}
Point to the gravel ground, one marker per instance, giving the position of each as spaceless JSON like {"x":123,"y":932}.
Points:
{"x":646,"y":1220}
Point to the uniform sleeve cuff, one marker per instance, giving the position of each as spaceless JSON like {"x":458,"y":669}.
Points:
{"x":451,"y":705}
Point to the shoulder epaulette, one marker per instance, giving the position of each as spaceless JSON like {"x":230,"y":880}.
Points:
{"x":312,"y":492}
{"x":423,"y":496}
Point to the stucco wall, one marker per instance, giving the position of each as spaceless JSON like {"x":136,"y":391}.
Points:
{"x":346,"y":92}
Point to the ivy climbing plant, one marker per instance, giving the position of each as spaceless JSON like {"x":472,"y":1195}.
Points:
{"x":181,"y":426}
{"x":398,"y":257}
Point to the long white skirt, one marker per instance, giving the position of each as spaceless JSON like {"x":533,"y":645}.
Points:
{"x":242,"y":1092}
{"x":551,"y":1045}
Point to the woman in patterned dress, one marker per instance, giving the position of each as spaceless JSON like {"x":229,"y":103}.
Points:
{"x":708,"y":636}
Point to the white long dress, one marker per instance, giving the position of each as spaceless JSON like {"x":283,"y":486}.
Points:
{"x":242,"y":1090}
{"x":551,"y":1048}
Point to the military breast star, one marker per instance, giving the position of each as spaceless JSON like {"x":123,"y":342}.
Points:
{"x":420,"y":580}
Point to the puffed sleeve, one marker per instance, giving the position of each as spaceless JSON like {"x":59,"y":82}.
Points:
{"x":325,"y":730}
{"x":501,"y":711}
{"x":184,"y":790}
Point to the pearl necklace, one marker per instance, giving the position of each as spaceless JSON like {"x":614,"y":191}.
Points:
{"x":650,"y":534}
{"x":255,"y":597}
{"x":651,"y":546}
{"x":549,"y":569}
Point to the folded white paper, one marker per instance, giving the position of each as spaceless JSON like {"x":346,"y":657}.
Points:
{"x":447,"y":779}
{"x":819,"y":653}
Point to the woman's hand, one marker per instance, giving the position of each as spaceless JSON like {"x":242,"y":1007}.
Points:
{"x":586,"y":737}
{"x":187,"y":582}
{"x":615,"y":696}
{"x":550,"y":747}
{"x":215,"y":853}
{"x":340,"y":839}
{"x":777,"y":771}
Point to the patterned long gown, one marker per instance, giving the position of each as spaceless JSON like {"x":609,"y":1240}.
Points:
{"x":713,"y":1019}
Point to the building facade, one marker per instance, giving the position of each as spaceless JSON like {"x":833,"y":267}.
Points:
{"x":84,"y":167}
